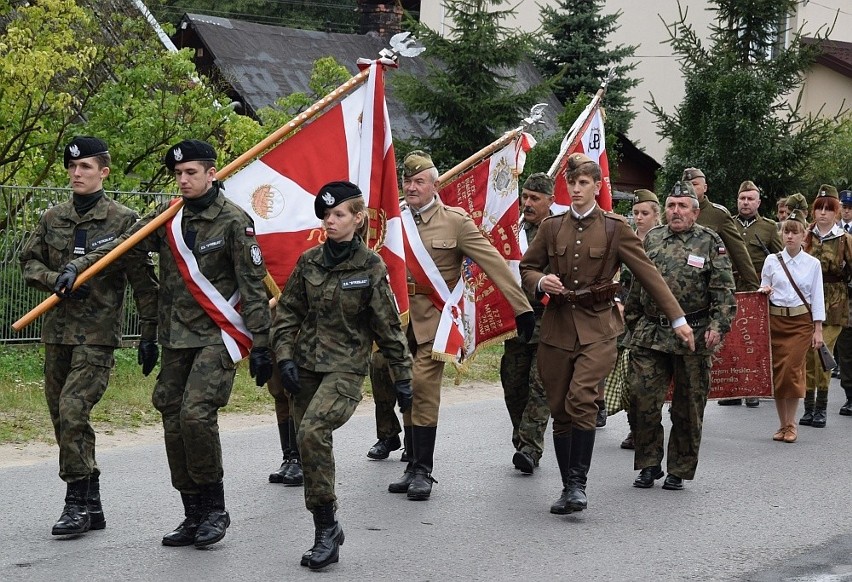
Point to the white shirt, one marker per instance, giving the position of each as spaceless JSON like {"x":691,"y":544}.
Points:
{"x":806,"y":271}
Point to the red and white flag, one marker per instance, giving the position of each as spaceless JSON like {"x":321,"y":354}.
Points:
{"x":592,"y":142}
{"x":351,"y":141}
{"x":489,"y":194}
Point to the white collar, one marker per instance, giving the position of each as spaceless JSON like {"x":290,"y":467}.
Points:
{"x":585,"y":214}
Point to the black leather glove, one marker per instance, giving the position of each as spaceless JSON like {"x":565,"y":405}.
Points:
{"x":147,"y":355}
{"x":260,"y":365}
{"x":289,"y":376}
{"x":65,"y":281}
{"x":404,"y":396}
{"x":81,"y":292}
{"x":525,"y":323}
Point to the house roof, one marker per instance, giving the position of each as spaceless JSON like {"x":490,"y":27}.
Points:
{"x":263,"y":63}
{"x":836,"y":55}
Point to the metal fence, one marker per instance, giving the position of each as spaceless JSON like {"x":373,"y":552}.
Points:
{"x":20,"y":209}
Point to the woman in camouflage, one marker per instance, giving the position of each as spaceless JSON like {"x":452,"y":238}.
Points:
{"x":833,"y":247}
{"x":336,"y":304}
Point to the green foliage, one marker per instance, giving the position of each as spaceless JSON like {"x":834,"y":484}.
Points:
{"x":333,"y":15}
{"x":468,"y":94}
{"x":733,"y":121}
{"x":572,"y":51}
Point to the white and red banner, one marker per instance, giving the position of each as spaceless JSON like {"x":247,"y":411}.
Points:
{"x":489,"y":193}
{"x":591,"y":142}
{"x":350,"y":141}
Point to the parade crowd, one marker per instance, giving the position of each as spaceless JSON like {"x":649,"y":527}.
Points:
{"x":604,"y":304}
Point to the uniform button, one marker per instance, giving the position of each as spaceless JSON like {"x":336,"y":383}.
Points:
{"x":445,"y":244}
{"x":580,"y":229}
{"x":573,"y":306}
{"x":576,"y":255}
{"x":575,"y":268}
{"x":578,"y":242}
{"x":576,"y":282}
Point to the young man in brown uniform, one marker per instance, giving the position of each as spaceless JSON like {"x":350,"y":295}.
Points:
{"x":448,"y":235}
{"x":584,"y":249}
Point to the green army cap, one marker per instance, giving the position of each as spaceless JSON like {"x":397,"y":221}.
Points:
{"x":748,"y":186}
{"x":829,"y":191}
{"x":690,"y":174}
{"x":798,"y":216}
{"x":415,"y":162}
{"x":797,"y":201}
{"x":643,"y":195}
{"x":682,"y":189}
{"x":539,"y":182}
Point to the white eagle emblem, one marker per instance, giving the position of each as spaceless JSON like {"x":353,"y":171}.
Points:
{"x":177,"y":154}
{"x":74,"y":151}
{"x":256,"y":256}
{"x":328,"y":199}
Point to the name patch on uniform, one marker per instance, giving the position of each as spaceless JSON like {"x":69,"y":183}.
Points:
{"x":209,"y":246}
{"x":249,"y":231}
{"x":357,"y":283}
{"x":102,"y":240}
{"x":722,"y":250}
{"x":695,"y":261}
{"x":256,"y":255}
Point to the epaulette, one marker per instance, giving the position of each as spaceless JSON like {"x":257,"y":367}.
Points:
{"x":457,"y":210}
{"x":769,"y":220}
{"x":614,"y":216}
{"x":720,"y":207}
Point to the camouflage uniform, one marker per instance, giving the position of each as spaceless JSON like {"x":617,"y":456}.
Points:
{"x":523,"y":389}
{"x":706,"y":293}
{"x":197,"y":373}
{"x":80,"y":336}
{"x":326,"y":321}
{"x":384,"y":396}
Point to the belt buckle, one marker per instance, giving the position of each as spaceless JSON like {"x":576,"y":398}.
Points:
{"x":663,"y":320}
{"x":411,"y":288}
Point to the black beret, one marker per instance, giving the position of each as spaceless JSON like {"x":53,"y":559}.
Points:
{"x":84,"y":146}
{"x":333,"y":194}
{"x":189,"y":150}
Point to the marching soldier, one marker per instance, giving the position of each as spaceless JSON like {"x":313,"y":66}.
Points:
{"x":695,"y":266}
{"x":522,"y":387}
{"x":208,"y":258}
{"x":81,"y":334}
{"x":574,"y":258}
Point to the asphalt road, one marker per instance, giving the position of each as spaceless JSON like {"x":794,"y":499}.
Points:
{"x":757,"y":510}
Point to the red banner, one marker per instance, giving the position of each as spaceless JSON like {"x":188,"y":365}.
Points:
{"x":592,"y":143}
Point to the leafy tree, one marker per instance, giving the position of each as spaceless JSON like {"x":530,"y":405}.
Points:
{"x":332,"y":15}
{"x":572,"y":51}
{"x":734,"y":121}
{"x":468,"y":94}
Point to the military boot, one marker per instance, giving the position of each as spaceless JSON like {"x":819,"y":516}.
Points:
{"x":184,"y":534}
{"x":562,"y":449}
{"x":846,"y":409}
{"x":293,"y":475}
{"x":820,"y":407}
{"x":808,"y":417}
{"x":401,"y":486}
{"x":215,"y":520}
{"x":93,"y":503}
{"x":582,"y":447}
{"x":328,"y":537}
{"x":75,"y":516}
{"x":600,"y":419}
{"x":284,"y":437}
{"x":424,"y":450}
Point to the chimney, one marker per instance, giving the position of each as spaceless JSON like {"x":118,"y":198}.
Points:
{"x":382,"y":18}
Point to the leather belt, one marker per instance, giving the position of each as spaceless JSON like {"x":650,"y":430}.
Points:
{"x":788,"y":311}
{"x":417,"y":289}
{"x":694,"y":319}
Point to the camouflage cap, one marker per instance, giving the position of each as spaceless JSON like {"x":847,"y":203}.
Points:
{"x":748,"y":186}
{"x":577,"y":160}
{"x":682,"y":189}
{"x":84,"y":146}
{"x":539,"y":182}
{"x":797,"y":201}
{"x":643,"y":195}
{"x":798,"y":216}
{"x":846,"y":197}
{"x":827,"y":190}
{"x":415,"y":162}
{"x":690,"y":174}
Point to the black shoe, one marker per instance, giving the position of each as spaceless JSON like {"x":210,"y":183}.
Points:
{"x":306,"y":558}
{"x":731,"y":402}
{"x":819,"y":419}
{"x":421,"y":486}
{"x":75,"y":518}
{"x":383,"y":447}
{"x":807,"y":418}
{"x":846,"y":409}
{"x":673,"y":483}
{"x":328,"y":538}
{"x":752,"y":402}
{"x":278,"y":476}
{"x":215,"y":520}
{"x":627,"y":443}
{"x":647,"y":476}
{"x":93,"y":504}
{"x":560,"y":506}
{"x":401,"y":486}
{"x":404,"y":456}
{"x":184,"y":534}
{"x":600,"y":421}
{"x":524,"y":462}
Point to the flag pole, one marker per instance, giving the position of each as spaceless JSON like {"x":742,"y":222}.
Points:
{"x":400,"y":45}
{"x":581,"y":124}
{"x":535,"y":117}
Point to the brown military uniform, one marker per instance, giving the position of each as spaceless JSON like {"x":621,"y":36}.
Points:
{"x":717,"y":218}
{"x":449,"y":235}
{"x":759,"y":227}
{"x":577,"y":346}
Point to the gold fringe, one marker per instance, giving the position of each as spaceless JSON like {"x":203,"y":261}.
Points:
{"x":463,"y":366}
